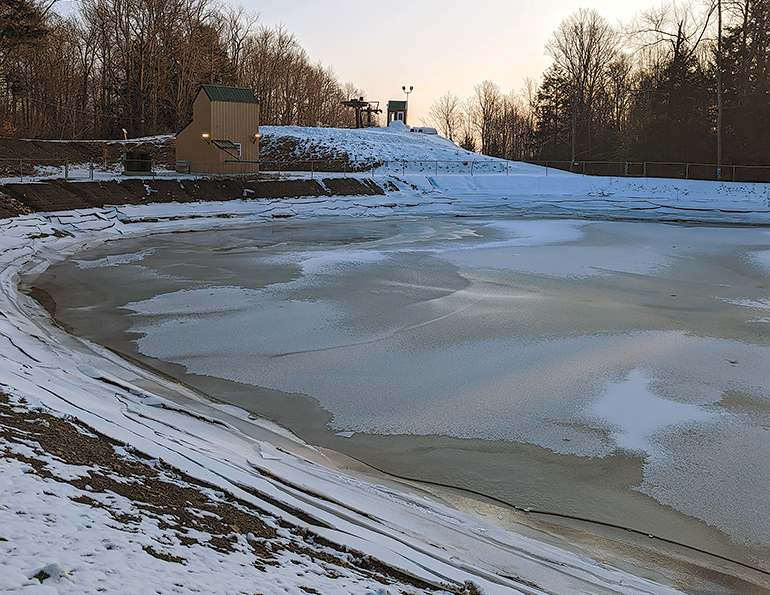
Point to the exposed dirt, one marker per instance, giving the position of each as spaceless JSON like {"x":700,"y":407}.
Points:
{"x":109,"y":152}
{"x":59,"y":195}
{"x":183,"y":509}
{"x":284,"y":152}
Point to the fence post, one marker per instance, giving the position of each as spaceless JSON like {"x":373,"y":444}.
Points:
{"x":733,"y":180}
{"x":687,"y":171}
{"x":312,"y":169}
{"x":625,"y":175}
{"x":403,"y":168}
{"x":437,"y":167}
{"x":546,"y":169}
{"x":91,"y":170}
{"x":507,"y":164}
{"x":472,"y":162}
{"x":66,"y":169}
{"x":21,"y":171}
{"x":644,"y":174}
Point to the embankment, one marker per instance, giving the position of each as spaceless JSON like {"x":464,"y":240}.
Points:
{"x":59,"y":195}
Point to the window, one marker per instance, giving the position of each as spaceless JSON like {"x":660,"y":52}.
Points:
{"x":237,"y":149}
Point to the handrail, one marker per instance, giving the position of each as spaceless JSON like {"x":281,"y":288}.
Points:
{"x":21,"y":167}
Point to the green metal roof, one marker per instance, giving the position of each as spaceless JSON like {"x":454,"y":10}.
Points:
{"x":234,"y":94}
{"x":396,"y":104}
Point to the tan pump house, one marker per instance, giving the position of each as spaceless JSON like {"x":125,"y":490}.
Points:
{"x":223,"y":137}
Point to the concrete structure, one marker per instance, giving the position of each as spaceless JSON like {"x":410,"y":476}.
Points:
{"x":223,"y":137}
{"x":397,"y":111}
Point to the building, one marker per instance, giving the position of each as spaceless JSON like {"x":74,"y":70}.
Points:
{"x":397,"y":111}
{"x":223,"y":137}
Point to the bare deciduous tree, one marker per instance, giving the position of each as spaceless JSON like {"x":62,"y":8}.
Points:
{"x":446,"y":115}
{"x":483,"y":110}
{"x":582,"y":47}
{"x":672,"y":32}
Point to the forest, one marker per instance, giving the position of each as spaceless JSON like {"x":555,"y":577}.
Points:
{"x":686,"y":81}
{"x":683,"y":82}
{"x":137,"y":65}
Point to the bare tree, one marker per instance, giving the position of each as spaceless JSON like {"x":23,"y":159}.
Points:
{"x":235,"y":24}
{"x":483,"y":109}
{"x":677,"y":31}
{"x":582,"y":47}
{"x":617,"y":88}
{"x":446,"y":115}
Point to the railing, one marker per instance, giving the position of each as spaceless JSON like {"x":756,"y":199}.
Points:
{"x":62,"y":168}
{"x":474,"y":167}
{"x":228,"y":168}
{"x":470,"y":167}
{"x":397,"y":167}
{"x":48,"y":168}
{"x":660,"y":169}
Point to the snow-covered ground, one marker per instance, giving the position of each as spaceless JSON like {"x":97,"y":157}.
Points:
{"x":61,"y":533}
{"x":370,"y":145}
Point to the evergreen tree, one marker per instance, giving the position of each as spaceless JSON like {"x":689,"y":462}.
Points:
{"x":746,"y":66}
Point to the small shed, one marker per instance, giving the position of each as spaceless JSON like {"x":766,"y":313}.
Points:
{"x":397,"y":111}
{"x":223,"y":137}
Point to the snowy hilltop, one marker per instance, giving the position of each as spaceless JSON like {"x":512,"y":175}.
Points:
{"x":361,"y":148}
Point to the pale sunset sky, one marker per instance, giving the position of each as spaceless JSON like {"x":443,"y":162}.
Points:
{"x":434,"y":45}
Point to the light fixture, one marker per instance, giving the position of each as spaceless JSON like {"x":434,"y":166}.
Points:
{"x":404,"y":89}
{"x":257,"y":136}
{"x":206,"y":136}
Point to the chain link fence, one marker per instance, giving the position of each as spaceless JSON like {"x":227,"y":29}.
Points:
{"x":660,"y":169}
{"x":29,"y":169}
{"x":50,"y":168}
{"x":474,"y":167}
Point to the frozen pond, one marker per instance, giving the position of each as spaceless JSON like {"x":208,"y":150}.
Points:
{"x":601,"y":369}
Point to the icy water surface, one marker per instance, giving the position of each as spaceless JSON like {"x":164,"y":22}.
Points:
{"x":589,"y":367}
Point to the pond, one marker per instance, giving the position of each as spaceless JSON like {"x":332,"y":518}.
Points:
{"x":612,"y":371}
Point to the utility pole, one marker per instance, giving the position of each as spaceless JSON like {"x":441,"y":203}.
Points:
{"x":720,"y":101}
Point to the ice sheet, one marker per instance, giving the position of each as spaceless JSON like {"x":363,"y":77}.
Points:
{"x":385,"y":342}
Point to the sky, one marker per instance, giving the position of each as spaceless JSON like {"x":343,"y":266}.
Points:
{"x":433,"y":45}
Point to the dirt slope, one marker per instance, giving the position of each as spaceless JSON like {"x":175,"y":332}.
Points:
{"x":59,"y":195}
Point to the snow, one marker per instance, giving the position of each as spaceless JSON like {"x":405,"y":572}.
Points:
{"x":638,"y":414}
{"x":367,"y":145}
{"x":73,"y":547}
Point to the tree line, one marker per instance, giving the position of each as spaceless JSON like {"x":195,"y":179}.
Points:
{"x":136,"y":65}
{"x":680,"y":83}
